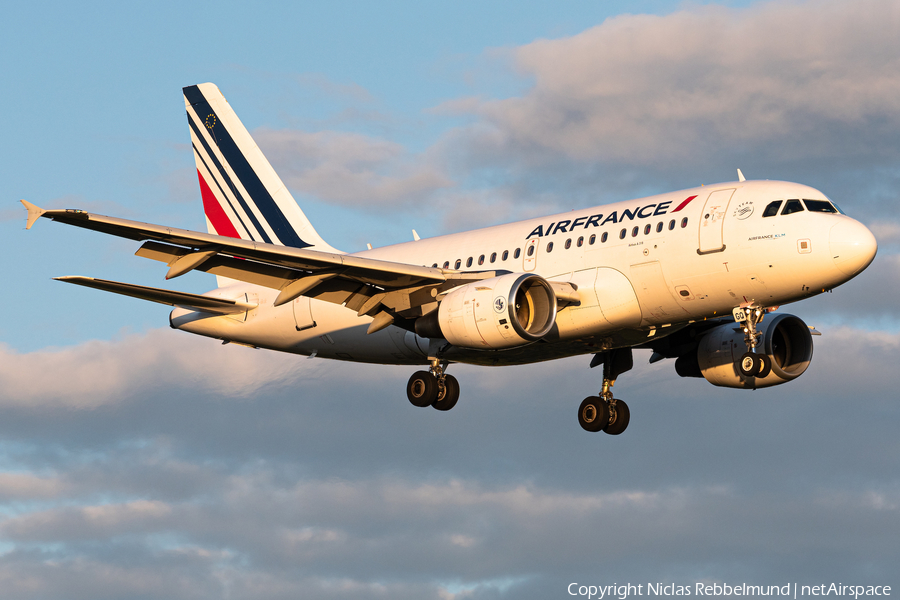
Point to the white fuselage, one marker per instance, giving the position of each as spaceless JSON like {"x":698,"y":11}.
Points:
{"x":642,"y":268}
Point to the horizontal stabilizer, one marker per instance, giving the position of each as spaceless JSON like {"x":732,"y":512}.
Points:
{"x":209,"y":304}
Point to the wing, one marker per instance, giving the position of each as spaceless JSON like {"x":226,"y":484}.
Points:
{"x":366,"y":285}
{"x":210,"y":304}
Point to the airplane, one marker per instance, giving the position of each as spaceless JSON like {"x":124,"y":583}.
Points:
{"x":693,"y":275}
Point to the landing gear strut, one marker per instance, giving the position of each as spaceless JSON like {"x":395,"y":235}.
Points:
{"x":752,"y":363}
{"x":604,"y":412}
{"x":433,"y":387}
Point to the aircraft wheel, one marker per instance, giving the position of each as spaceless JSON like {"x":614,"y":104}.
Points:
{"x":593,"y":414}
{"x":623,"y":416}
{"x":749,"y":364}
{"x":765,"y":365}
{"x":447,"y":399}
{"x":422,"y":389}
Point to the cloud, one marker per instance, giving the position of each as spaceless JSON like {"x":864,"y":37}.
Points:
{"x":634,"y":106}
{"x":325,"y":482}
{"x":886,"y":232}
{"x":642,"y":102}
{"x":98,"y":373}
{"x":351,"y":169}
{"x":862,"y":301}
{"x":29,"y":486}
{"x":643,"y":88}
{"x":86,"y":522}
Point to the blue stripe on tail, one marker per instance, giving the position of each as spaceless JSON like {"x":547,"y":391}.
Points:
{"x":258,"y":193}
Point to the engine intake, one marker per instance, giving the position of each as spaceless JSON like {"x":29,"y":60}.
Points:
{"x":786,"y":340}
{"x":501,"y":312}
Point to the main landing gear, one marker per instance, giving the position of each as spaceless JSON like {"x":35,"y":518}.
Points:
{"x":751,"y":363}
{"x":604,"y":412}
{"x":433,"y":387}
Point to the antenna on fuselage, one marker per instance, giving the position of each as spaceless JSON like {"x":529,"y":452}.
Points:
{"x":741,"y":176}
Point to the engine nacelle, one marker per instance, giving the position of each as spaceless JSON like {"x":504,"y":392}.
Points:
{"x":501,"y":312}
{"x":785,"y":339}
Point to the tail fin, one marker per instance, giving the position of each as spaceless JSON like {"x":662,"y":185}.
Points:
{"x":243,"y":197}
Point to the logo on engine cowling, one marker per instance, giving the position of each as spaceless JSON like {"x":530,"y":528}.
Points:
{"x":499,"y":304}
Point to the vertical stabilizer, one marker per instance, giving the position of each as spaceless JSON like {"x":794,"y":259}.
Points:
{"x":243,"y":197}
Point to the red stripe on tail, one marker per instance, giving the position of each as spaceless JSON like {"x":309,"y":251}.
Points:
{"x":683,"y":204}
{"x":214,"y":212}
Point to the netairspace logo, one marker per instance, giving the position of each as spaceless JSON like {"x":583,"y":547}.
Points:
{"x":791,"y":590}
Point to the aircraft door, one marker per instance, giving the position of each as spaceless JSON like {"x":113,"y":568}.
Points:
{"x":530,"y":254}
{"x":711,"y":221}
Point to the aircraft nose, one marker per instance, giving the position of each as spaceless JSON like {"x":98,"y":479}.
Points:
{"x":852,"y":246}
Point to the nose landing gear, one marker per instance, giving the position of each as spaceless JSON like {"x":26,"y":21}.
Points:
{"x":751,"y":363}
{"x":433,"y":387}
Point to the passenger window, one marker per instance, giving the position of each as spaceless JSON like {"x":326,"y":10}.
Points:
{"x":647,"y":229}
{"x":457,"y":264}
{"x":481,"y":259}
{"x":531,"y":249}
{"x":671,"y":224}
{"x":549,"y":248}
{"x":772,"y":208}
{"x":580,"y":242}
{"x":603,"y":237}
{"x":684,"y":223}
{"x":517,"y":253}
{"x":505,"y":255}
{"x":568,"y":243}
{"x":622,"y":234}
{"x":792,"y":206}
{"x":592,"y":239}
{"x":659,"y":227}
{"x":819,"y":206}
{"x":634,"y":231}
{"x":493,"y":256}
{"x":468,"y":262}
{"x":434,"y":266}
{"x":446,"y":264}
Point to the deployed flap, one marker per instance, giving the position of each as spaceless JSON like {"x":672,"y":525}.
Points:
{"x":219,"y":306}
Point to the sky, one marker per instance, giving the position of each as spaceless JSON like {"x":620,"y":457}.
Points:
{"x":141,"y":462}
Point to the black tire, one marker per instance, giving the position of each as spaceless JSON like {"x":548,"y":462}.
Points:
{"x":622,"y":418}
{"x":450,"y":395}
{"x":765,"y":365}
{"x":422,"y":389}
{"x":749,"y":364}
{"x":593,"y":414}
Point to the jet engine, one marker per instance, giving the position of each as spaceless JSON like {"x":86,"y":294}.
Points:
{"x":786,"y":340}
{"x":501,"y":312}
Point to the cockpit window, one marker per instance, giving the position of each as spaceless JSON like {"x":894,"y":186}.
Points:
{"x":792,"y":206}
{"x":772,"y":208}
{"x":819,"y":206}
